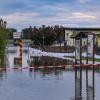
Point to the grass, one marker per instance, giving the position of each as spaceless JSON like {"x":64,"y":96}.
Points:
{"x":84,"y":58}
{"x":90,"y":59}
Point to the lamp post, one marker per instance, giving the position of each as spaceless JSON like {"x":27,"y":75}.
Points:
{"x":43,"y":42}
{"x":28,"y":52}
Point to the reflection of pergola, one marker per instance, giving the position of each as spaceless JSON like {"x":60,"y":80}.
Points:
{"x":90,"y":85}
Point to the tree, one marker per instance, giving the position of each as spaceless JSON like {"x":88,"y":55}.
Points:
{"x":44,"y":35}
{"x":3,"y":42}
{"x":11,"y":31}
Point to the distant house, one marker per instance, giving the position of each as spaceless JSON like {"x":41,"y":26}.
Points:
{"x":72,"y":31}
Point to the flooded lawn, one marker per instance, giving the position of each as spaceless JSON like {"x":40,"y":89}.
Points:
{"x":49,"y":61}
{"x":48,"y":84}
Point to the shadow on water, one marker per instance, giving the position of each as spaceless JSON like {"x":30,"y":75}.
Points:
{"x":49,"y":61}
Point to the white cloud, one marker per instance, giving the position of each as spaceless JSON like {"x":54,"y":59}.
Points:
{"x":19,"y":17}
{"x":84,"y":16}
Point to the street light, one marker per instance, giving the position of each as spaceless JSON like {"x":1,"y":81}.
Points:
{"x":43,"y":42}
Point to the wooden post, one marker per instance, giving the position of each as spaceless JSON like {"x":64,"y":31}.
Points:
{"x":87,"y":51}
{"x":80,"y":49}
{"x":75,"y":53}
{"x":20,"y":50}
{"x":93,"y":48}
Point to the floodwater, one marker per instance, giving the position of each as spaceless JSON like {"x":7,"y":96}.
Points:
{"x":28,"y":84}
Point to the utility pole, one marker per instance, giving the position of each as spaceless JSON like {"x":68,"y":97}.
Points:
{"x":20,"y":50}
{"x":43,"y":42}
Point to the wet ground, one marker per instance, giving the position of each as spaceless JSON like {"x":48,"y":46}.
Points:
{"x":35,"y":84}
{"x":49,"y":61}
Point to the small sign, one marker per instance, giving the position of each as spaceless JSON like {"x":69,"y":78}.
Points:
{"x":16,"y":35}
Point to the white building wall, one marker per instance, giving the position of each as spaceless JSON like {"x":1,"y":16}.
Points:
{"x":71,"y":42}
{"x":68,"y":40}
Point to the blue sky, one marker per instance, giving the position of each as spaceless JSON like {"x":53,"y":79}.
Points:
{"x":69,"y":13}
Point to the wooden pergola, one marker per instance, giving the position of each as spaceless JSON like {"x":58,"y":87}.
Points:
{"x":79,"y":35}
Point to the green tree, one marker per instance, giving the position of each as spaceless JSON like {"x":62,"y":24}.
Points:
{"x":44,"y":35}
{"x":3,"y":42}
{"x":11,"y":30}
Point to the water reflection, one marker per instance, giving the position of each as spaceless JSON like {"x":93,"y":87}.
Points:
{"x":78,"y":84}
{"x":3,"y":74}
{"x":90,"y":81}
{"x":18,"y":79}
{"x":45,"y":73}
{"x":90,"y":85}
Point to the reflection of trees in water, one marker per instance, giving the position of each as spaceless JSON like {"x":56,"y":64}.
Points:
{"x":45,"y":73}
{"x":3,"y":74}
{"x":49,"y":61}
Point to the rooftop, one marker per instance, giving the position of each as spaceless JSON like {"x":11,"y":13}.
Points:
{"x":82,"y":28}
